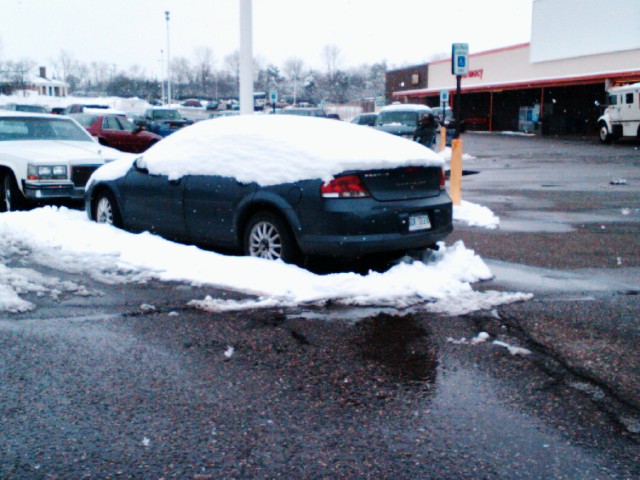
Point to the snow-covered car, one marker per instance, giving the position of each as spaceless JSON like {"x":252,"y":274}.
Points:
{"x":401,"y":119}
{"x":279,"y":187}
{"x":44,"y":157}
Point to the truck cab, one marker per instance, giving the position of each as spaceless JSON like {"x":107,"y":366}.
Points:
{"x":621,"y":117}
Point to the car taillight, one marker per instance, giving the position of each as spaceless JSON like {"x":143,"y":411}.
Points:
{"x":443,"y":179}
{"x":347,"y":186}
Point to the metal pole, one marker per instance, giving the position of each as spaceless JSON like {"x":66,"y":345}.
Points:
{"x":168,"y":62}
{"x":162,"y":73}
{"x":246,"y":58}
{"x":458,"y":102}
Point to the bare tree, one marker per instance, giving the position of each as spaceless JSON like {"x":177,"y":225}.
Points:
{"x":204,"y":65}
{"x":232,"y":63}
{"x":332,"y":56}
{"x":293,"y":68}
{"x":181,"y":74}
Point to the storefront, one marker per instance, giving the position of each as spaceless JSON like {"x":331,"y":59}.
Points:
{"x":505,"y":90}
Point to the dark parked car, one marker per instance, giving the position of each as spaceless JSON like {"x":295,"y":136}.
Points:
{"x":163,"y":121}
{"x":117,"y":132}
{"x":279,"y":187}
{"x":402,"y":119}
{"x":368,"y":119}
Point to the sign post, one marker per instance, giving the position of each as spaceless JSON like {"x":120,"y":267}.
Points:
{"x":459,"y":67}
{"x":444,"y":100}
{"x":273,"y":98}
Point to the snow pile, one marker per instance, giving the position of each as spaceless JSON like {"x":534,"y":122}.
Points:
{"x":272,"y":149}
{"x":446,"y":155}
{"x":67,"y":240}
{"x":475,"y":215}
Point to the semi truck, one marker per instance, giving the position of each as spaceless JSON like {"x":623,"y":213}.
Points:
{"x":621,"y":117}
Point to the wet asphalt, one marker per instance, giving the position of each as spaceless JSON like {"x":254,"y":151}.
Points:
{"x":130,"y":382}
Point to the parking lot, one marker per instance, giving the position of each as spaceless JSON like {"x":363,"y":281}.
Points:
{"x":133,"y":382}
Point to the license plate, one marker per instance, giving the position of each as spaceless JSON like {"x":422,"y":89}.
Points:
{"x":419,"y":222}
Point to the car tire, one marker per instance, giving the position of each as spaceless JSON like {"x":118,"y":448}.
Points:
{"x":268,"y":236}
{"x":105,"y":209}
{"x":11,"y":198}
{"x":603,"y":133}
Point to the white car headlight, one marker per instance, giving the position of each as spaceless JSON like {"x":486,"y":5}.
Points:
{"x":46,"y":172}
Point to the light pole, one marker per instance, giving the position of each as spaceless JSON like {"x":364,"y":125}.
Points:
{"x":162,"y":73}
{"x":246,"y":58}
{"x":168,"y":62}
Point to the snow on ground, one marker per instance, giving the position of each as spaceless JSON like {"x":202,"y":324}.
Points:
{"x":66,"y":240}
{"x":475,"y":215}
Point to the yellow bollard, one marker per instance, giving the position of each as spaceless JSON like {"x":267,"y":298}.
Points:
{"x":443,"y":138}
{"x":455,"y":172}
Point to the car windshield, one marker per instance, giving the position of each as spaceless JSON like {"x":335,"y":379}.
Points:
{"x":30,"y":108}
{"x":25,"y":128}
{"x":410,"y":119}
{"x":85,"y":120}
{"x":305,"y":112}
{"x":166,"y":115}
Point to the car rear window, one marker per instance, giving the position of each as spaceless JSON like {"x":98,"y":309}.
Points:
{"x":22,"y":128}
{"x":409,"y":119}
{"x":86,"y":120}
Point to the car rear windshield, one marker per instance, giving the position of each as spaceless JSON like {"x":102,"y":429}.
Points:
{"x":410,"y":119}
{"x":24,"y":128}
{"x":166,"y":115}
{"x":30,"y":108}
{"x":85,"y":120}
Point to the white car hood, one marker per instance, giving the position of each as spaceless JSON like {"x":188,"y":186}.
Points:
{"x":56,"y":152}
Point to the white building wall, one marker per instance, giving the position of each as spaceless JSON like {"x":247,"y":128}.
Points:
{"x":563,"y":29}
{"x":512,"y":65}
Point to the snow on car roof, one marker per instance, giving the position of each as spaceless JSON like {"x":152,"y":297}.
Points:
{"x":273,"y":149}
{"x":16,"y":113}
{"x":405,"y":106}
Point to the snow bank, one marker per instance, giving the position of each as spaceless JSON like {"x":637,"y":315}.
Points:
{"x":66,"y":240}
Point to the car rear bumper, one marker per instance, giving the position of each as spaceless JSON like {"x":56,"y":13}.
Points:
{"x":349,"y":231}
{"x":355,"y":246}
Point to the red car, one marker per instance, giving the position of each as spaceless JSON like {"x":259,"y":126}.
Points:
{"x":117,"y":132}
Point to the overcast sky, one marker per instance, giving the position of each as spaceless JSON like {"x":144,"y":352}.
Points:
{"x":133,"y":32}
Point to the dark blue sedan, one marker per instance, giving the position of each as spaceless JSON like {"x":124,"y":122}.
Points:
{"x":279,"y":187}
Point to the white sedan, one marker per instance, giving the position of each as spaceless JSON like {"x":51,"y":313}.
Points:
{"x":45,"y":157}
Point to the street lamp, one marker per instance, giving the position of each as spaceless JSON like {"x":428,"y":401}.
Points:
{"x":168,"y":62}
{"x":162,"y":74}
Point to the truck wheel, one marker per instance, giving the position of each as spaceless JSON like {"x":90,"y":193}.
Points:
{"x":11,"y":198}
{"x":603,"y":133}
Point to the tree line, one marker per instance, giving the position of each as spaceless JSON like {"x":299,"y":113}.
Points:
{"x":201,"y":76}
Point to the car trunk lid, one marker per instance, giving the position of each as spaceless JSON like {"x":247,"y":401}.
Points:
{"x":403,"y":183}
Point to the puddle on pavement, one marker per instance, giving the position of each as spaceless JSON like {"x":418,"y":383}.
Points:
{"x":526,"y":278}
{"x":400,"y":346}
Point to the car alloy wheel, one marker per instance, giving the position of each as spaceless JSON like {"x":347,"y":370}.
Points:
{"x":265,"y":241}
{"x":267,"y":236}
{"x":106,"y":210}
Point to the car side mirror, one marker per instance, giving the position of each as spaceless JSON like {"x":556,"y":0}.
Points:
{"x":140,"y":165}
